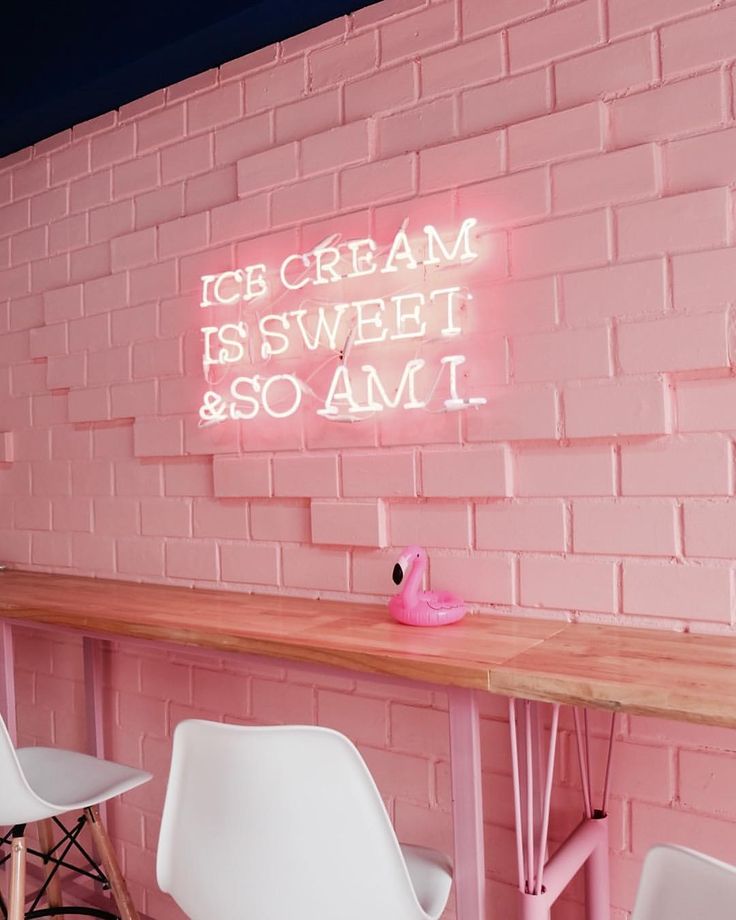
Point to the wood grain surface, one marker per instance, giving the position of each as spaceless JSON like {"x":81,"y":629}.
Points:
{"x":650,"y":672}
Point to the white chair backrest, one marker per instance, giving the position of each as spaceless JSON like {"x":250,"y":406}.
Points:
{"x":278,"y":823}
{"x":680,"y":884}
{"x":19,"y":804}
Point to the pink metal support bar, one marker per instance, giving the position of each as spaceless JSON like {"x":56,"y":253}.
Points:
{"x":541,"y":884}
{"x":467,"y":804}
{"x":92,"y":650}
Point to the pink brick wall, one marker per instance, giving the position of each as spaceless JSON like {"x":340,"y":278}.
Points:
{"x":596,"y":143}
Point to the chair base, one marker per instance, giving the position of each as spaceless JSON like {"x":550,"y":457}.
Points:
{"x":54,"y":856}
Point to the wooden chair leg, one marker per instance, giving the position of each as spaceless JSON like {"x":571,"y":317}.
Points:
{"x":17,"y":905}
{"x":110,"y":867}
{"x":46,"y":840}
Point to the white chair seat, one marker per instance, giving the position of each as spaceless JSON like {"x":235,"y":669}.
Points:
{"x":431,"y":877}
{"x":70,"y":781}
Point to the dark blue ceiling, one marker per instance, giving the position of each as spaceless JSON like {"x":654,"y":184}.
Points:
{"x":66,"y":62}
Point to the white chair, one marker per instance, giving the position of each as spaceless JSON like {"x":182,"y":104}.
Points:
{"x":38,"y":784}
{"x":279,"y":823}
{"x":680,"y":884}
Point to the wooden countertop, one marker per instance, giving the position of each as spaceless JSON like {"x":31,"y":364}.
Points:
{"x":649,"y":672}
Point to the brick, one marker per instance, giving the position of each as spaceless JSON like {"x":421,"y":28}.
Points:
{"x":188,"y":477}
{"x":334,"y":148}
{"x":49,"y":273}
{"x":6,"y":450}
{"x":108,"y":367}
{"x":158,"y":437}
{"x":703,"y":278}
{"x":90,"y":262}
{"x":15,"y":281}
{"x":250,"y":564}
{"x":275,"y":702}
{"x":160,"y":128}
{"x":67,"y":234}
{"x":619,"y":176}
{"x":90,"y":405}
{"x":212,"y":189}
{"x":26,"y":312}
{"x":315,"y":568}
{"x":456,"y":68}
{"x":71,"y":162}
{"x":628,"y":528}
{"x":161,"y":517}
{"x":514,"y":413}
{"x":706,"y":405}
{"x":562,"y":355}
{"x":140,"y":556}
{"x":419,"y":32}
{"x":340,"y":62}
{"x":217,"y":517}
{"x":49,"y":340}
{"x":275,"y":86}
{"x":681,"y":343}
{"x":281,"y":521}
{"x":187,"y":234}
{"x":348,"y":523}
{"x":179,"y":161}
{"x":555,"y":35}
{"x":214,"y":108}
{"x":387,"y":90}
{"x":239,"y":219}
{"x":481,"y":158}
{"x":442,"y":524}
{"x":479,"y":16}
{"x":66,"y":371}
{"x":244,"y":137}
{"x":681,"y":591}
{"x":557,"y":471}
{"x":617,"y":67}
{"x":460,"y":473}
{"x":89,"y":192}
{"x":538,"y":526}
{"x":380,"y":181}
{"x":378,"y":474}
{"x":705,"y":781}
{"x":159,"y":280}
{"x":159,"y":205}
{"x":14,"y":217}
{"x":556,"y":136}
{"x":633,"y":16}
{"x":701,"y":162}
{"x":133,"y":249}
{"x":478,"y":579}
{"x":308,"y":476}
{"x":417,"y":127}
{"x":326,"y":34}
{"x":638,"y":288}
{"x":377,"y":13}
{"x":509,"y":199}
{"x":698,"y":42}
{"x":683,"y":466}
{"x":677,"y":108}
{"x":113,"y":146}
{"x":133,"y":325}
{"x":306,"y":117}
{"x":242,"y":476}
{"x":304,"y":199}
{"x":110,"y":221}
{"x":192,"y":560}
{"x":698,"y":220}
{"x":364,"y":720}
{"x":263,"y":170}
{"x":90,"y":333}
{"x":51,"y":549}
{"x":49,"y":205}
{"x":506,"y":102}
{"x":139,"y":175}
{"x":710,"y":529}
{"x":560,"y":245}
{"x":157,"y":359}
{"x":636,"y":407}
{"x":30,"y":179}
{"x":28,"y":245}
{"x":116,"y":516}
{"x":568,"y":584}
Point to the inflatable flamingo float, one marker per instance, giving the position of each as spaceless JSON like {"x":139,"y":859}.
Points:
{"x":421,"y":608}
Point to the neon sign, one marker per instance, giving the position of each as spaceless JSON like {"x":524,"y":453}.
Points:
{"x":259,"y":353}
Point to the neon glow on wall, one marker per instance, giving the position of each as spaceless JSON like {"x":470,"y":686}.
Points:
{"x":330,"y":356}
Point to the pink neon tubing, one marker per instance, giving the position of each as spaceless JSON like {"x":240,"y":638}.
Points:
{"x":547,"y":796}
{"x":517,"y":794}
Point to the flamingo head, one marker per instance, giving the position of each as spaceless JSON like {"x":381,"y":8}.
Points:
{"x":410,"y":556}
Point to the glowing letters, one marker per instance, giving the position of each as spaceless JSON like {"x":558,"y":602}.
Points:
{"x":263,"y":326}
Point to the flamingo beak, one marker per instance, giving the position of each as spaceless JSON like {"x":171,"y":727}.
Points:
{"x":398,"y":574}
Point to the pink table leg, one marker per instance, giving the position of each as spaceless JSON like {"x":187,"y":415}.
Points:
{"x":8,"y":679}
{"x":467,"y":804}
